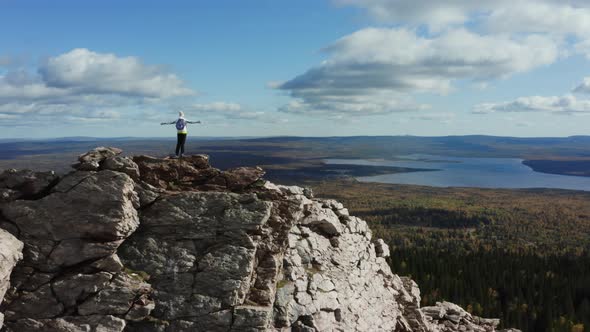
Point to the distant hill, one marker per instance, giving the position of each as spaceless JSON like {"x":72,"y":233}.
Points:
{"x":298,"y":152}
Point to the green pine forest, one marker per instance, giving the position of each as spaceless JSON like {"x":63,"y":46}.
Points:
{"x":519,"y":255}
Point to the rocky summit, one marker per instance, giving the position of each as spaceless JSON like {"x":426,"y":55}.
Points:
{"x":150,"y":244}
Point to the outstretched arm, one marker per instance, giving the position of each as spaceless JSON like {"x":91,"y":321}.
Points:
{"x":193,"y":121}
{"x":167,"y":123}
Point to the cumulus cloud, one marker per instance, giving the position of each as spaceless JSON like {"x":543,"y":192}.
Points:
{"x":436,"y":14}
{"x":556,"y":17}
{"x":84,"y":71}
{"x":567,"y":105}
{"x":564,"y":20}
{"x":564,"y":16}
{"x":374,"y":70}
{"x":84,"y":86}
{"x":375,"y":103}
{"x":36,"y":114}
{"x":81,"y":72}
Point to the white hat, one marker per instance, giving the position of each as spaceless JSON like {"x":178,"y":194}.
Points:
{"x":180,"y":114}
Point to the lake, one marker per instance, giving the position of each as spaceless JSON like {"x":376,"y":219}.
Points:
{"x":467,"y":172}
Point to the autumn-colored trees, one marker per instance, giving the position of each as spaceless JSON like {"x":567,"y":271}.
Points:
{"x":519,"y":255}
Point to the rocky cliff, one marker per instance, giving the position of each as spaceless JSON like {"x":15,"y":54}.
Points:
{"x":148,"y":244}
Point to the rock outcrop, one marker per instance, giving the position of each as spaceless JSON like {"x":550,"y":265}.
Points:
{"x":149,"y":244}
{"x":10,"y":253}
{"x":450,"y":317}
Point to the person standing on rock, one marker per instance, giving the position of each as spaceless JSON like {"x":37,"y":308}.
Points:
{"x":181,"y":128}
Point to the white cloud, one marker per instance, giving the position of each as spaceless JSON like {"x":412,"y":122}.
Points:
{"x":583,"y":87}
{"x":84,"y":86}
{"x":375,"y":71}
{"x":425,"y":63}
{"x":82,"y":75}
{"x":567,"y":105}
{"x":417,"y":12}
{"x":85,"y":71}
{"x":375,"y":103}
{"x":559,"y":19}
{"x":39,"y":114}
{"x":555,"y":16}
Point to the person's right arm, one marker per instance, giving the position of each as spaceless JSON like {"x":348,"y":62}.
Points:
{"x":167,"y":123}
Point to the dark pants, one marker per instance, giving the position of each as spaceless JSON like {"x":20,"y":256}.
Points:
{"x":181,"y":139}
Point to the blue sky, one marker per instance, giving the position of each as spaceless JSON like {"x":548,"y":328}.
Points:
{"x":306,"y":67}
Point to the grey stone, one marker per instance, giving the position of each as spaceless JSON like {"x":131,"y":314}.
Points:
{"x":69,"y":324}
{"x":75,"y":251}
{"x":16,"y":184}
{"x":36,"y":304}
{"x":9,"y":195}
{"x":200,"y":248}
{"x":381,"y":248}
{"x":110,"y":263}
{"x":73,"y":289}
{"x":122,"y":164}
{"x":325,"y":219}
{"x":448,"y":316}
{"x":242,"y":177}
{"x":251,"y":318}
{"x":98,"y":206}
{"x":122,"y":294}
{"x":174,"y":174}
{"x":10,"y":253}
{"x":147,"y":193}
{"x":91,"y":160}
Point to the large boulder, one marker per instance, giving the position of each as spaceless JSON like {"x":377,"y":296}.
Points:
{"x":15,"y":184}
{"x":122,"y":164}
{"x":451,"y":317}
{"x":200,"y":251}
{"x":92,"y":160}
{"x":97,"y":206}
{"x":176,"y":174}
{"x":10,"y":253}
{"x":333,"y":277}
{"x":241,"y":178}
{"x":70,"y":266}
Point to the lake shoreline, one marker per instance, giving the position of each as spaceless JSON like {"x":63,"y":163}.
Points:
{"x":579,"y":168}
{"x":467,"y":172}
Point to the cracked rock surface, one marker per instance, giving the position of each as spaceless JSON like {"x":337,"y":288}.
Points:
{"x":10,"y":253}
{"x":149,"y":244}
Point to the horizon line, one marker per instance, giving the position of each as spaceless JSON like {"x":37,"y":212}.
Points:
{"x":271,"y":137}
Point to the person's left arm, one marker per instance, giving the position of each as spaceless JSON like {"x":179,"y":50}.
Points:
{"x":193,"y":122}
